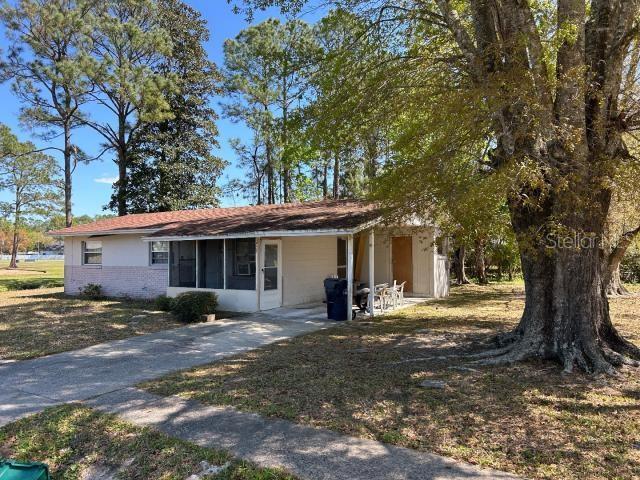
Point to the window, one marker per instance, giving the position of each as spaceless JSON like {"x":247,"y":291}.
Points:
{"x":244,"y":259}
{"x":211,"y":263}
{"x":92,"y":252}
{"x":241,"y":264}
{"x":182,"y":271}
{"x":159,"y":253}
{"x":342,"y":258}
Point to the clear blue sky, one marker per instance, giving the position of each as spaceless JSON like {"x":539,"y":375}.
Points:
{"x":92,"y":183}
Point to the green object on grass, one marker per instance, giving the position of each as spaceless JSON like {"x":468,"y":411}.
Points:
{"x":13,"y":470}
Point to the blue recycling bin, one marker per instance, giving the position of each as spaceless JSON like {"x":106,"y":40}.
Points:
{"x":338,"y":305}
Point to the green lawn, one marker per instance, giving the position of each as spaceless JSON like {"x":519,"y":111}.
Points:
{"x":31,"y":275}
{"x":34,"y":323}
{"x":363,"y":380}
{"x":75,"y":441}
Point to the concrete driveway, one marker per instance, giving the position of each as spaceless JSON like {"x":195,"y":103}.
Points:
{"x":30,"y":386}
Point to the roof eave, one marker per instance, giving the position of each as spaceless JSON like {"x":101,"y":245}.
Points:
{"x":133,"y":231}
{"x":260,"y":234}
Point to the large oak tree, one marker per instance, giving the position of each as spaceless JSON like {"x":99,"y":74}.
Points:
{"x":552,"y":87}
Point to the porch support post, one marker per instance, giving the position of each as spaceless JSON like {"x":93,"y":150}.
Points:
{"x":197,"y":263}
{"x":224,"y":263}
{"x":372,"y":277}
{"x":169,"y":263}
{"x":349,"y":275}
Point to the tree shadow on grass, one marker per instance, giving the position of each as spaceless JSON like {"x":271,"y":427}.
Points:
{"x":364,"y":380}
{"x":41,"y":324}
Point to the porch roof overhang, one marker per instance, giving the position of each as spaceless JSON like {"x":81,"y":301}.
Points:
{"x":261,"y":234}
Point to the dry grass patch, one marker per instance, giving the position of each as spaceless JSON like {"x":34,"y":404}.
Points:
{"x":363,"y":379}
{"x":78,"y":443}
{"x":34,"y":323}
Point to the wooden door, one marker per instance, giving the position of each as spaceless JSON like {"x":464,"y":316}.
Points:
{"x":402,"y":260}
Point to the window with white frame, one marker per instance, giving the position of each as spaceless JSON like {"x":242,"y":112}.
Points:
{"x":244,"y":257}
{"x":159,"y":253}
{"x":92,"y":252}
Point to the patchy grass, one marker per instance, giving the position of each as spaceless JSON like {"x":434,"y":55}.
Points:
{"x":363,"y":379}
{"x":31,"y":275}
{"x":34,"y":323}
{"x":74,"y":440}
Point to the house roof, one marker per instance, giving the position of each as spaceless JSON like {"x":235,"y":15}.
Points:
{"x":341,"y":215}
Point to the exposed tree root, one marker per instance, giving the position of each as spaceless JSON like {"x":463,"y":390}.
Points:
{"x":618,"y":290}
{"x":590,"y":358}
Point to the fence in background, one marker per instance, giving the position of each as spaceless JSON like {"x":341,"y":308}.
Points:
{"x":33,"y":257}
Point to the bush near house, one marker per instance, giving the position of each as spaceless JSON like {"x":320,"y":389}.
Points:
{"x":190,"y":306}
{"x":92,"y":291}
{"x":164,"y":303}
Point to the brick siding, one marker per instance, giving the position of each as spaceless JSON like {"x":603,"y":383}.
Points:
{"x":134,"y":282}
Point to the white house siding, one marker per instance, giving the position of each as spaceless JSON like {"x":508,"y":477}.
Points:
{"x":382,"y":258}
{"x":441,"y":275}
{"x":423,"y":253}
{"x":230,"y":300}
{"x":125,"y":269}
{"x":423,"y":248}
{"x":306,"y":262}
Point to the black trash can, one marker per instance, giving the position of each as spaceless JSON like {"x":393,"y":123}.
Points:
{"x":337,"y":304}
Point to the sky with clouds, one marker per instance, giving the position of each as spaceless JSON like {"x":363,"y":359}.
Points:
{"x":92,"y":186}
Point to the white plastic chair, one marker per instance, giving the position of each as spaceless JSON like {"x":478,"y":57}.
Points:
{"x":381,"y":294}
{"x":398,"y":293}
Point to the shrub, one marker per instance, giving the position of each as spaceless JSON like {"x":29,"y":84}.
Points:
{"x":630,"y":268}
{"x":190,"y":306}
{"x":91,"y":290}
{"x":164,"y":303}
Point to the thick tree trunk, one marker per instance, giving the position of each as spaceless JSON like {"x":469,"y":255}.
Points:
{"x":615,"y":287}
{"x":122,"y":182}
{"x":123,"y":164}
{"x":325,"y":180}
{"x":481,"y":269}
{"x":569,"y":132}
{"x":336,"y":176}
{"x":13,"y":262}
{"x":271,"y":194}
{"x":566,"y":316}
{"x":459,"y":259}
{"x":612,"y":278}
{"x":68,"y":170}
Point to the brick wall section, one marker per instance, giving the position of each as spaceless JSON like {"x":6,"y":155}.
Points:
{"x":134,"y":282}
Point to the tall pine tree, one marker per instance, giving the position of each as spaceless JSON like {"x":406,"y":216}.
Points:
{"x":173,"y":166}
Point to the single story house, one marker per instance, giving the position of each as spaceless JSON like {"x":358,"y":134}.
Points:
{"x":255,"y":257}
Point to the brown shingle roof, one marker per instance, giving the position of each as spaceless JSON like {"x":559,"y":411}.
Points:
{"x":323,"y":215}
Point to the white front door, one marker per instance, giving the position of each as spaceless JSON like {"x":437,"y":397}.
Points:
{"x":270,"y":274}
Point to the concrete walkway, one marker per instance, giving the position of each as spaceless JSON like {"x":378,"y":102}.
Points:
{"x":32,"y":385}
{"x":103,"y":376}
{"x":310,"y":453}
